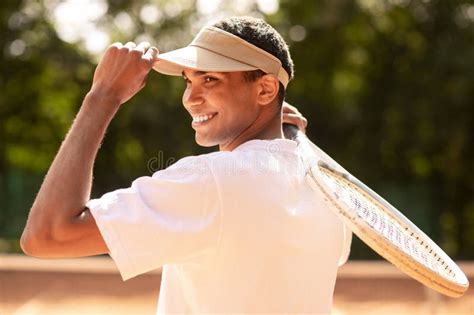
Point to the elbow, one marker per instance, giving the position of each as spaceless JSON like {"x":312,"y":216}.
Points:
{"x":26,"y":246}
{"x":37,"y":242}
{"x":46,"y":237}
{"x":33,"y":245}
{"x":47,"y":233}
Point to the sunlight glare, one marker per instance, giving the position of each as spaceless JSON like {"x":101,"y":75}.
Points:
{"x":268,"y":6}
{"x":149,"y":14}
{"x":75,"y":21}
{"x":96,"y":41}
{"x":205,"y":7}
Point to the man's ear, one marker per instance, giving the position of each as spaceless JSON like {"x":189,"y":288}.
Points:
{"x":268,"y":86}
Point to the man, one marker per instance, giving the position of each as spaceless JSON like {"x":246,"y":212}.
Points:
{"x":236,"y":230}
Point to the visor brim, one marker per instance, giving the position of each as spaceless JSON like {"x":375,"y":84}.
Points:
{"x":197,"y":58}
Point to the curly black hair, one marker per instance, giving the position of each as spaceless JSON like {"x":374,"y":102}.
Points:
{"x":259,"y":33}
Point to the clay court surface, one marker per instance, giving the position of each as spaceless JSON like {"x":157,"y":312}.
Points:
{"x":93,"y":286}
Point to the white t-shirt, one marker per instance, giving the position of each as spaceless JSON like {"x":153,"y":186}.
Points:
{"x":235,"y":232}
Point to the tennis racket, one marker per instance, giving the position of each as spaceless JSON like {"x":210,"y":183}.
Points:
{"x":376,"y":222}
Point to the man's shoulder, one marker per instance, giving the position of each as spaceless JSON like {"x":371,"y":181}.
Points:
{"x":194,"y":166}
{"x":205,"y":159}
{"x":260,"y":154}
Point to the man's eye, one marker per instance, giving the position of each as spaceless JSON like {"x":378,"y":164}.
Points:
{"x":209,"y":79}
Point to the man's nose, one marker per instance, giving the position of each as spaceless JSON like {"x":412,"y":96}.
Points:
{"x":192,"y":96}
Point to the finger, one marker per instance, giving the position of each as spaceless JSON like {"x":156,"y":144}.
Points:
{"x":142,"y":47}
{"x":287,"y":108}
{"x":296,"y":117}
{"x":300,"y":127}
{"x":110,"y":51}
{"x":288,"y":117}
{"x":151,"y":54}
{"x":113,"y":48}
{"x":130,"y":45}
{"x":296,"y":120}
{"x":116,"y":45}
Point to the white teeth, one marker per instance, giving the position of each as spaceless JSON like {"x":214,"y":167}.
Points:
{"x":202,"y":118}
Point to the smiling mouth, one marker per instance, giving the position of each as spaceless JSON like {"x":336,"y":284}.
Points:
{"x":202,"y":119}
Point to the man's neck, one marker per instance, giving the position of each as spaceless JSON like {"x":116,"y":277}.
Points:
{"x":268,"y":130}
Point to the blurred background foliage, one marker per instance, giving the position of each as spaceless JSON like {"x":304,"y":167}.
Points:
{"x":387,"y":87}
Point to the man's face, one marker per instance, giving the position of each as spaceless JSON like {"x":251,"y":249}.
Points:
{"x":223,"y":106}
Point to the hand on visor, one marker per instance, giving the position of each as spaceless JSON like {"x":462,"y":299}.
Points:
{"x":122,"y":70}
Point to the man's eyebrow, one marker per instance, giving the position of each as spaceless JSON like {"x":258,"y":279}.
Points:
{"x":194,"y":74}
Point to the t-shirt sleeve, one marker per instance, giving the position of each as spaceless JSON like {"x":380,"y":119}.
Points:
{"x":170,"y":217}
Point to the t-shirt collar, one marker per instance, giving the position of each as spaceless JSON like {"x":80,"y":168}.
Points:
{"x":273,"y":146}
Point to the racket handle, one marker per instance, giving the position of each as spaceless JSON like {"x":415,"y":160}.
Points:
{"x":290,"y":131}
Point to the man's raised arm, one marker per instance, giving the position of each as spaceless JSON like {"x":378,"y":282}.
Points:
{"x":59,"y":224}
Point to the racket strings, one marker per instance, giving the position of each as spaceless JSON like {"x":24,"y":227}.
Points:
{"x":374,"y":215}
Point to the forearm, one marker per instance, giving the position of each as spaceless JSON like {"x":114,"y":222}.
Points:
{"x":67,"y":185}
{"x":58,"y":224}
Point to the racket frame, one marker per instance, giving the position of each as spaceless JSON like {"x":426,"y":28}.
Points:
{"x":451,"y":286}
